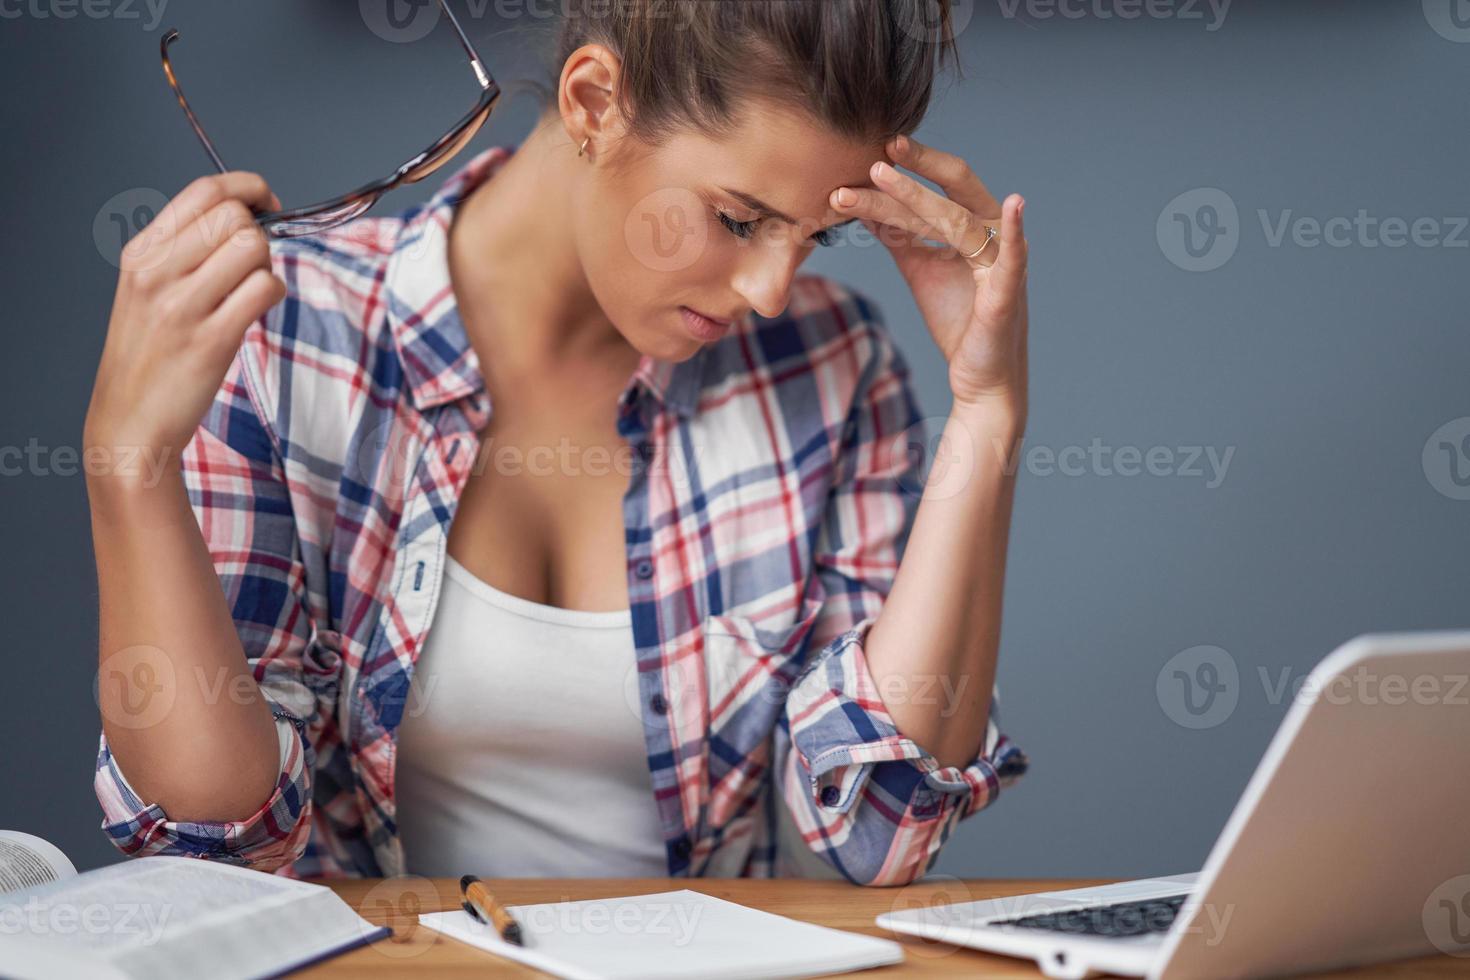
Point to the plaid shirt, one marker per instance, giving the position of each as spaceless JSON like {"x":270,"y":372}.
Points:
{"x":770,"y":500}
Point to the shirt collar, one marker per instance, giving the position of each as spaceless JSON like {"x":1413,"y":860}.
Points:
{"x":438,"y":362}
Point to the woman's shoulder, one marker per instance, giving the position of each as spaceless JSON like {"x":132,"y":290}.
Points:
{"x":334,"y":280}
{"x":313,"y":353}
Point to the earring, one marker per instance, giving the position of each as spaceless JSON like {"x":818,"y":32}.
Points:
{"x":583,"y":150}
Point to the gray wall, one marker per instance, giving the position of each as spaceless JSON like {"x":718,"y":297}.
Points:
{"x":1322,"y":370}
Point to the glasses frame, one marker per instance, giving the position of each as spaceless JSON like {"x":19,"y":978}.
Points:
{"x":357,"y":202}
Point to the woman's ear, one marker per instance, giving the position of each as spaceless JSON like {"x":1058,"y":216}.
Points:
{"x":589,"y":80}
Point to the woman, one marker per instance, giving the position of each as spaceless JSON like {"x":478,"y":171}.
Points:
{"x":368,"y":625}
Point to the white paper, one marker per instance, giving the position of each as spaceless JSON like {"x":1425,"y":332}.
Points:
{"x":674,"y":935}
{"x":26,"y":861}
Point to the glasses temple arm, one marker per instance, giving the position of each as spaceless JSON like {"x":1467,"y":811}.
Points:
{"x":173,"y":83}
{"x":469,"y":49}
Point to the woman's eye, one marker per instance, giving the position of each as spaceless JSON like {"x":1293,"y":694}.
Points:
{"x":740,"y":229}
{"x":745,"y":229}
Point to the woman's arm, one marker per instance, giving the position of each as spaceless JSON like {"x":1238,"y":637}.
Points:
{"x":935,"y":643}
{"x":893,"y":726}
{"x":181,"y":712}
{"x":183,"y":716}
{"x":942,"y":619}
{"x":868,"y":798}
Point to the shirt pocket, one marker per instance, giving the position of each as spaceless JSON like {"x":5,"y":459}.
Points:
{"x":749,"y":670}
{"x":740,"y":651}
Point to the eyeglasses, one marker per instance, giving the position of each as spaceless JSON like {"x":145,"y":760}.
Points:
{"x":295,"y":222}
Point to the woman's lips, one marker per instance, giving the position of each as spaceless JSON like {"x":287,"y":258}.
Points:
{"x":704,"y":327}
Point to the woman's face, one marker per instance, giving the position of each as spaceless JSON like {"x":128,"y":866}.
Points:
{"x":717,"y":227}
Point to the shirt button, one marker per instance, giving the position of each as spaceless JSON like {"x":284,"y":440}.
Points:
{"x":644,"y":568}
{"x":830,"y":795}
{"x":659,"y":703}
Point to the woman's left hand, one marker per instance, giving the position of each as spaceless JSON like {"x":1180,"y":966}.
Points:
{"x":975,"y":309}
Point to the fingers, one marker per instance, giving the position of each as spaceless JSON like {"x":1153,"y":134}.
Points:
{"x":1008,"y":273}
{"x":224,"y":269}
{"x":244,"y":305}
{"x":153,"y":248}
{"x":874,"y":205}
{"x":949,"y":171}
{"x":205,"y":192}
{"x":229,"y":223}
{"x":946,"y":220}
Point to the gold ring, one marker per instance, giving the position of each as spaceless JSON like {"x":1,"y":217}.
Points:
{"x":990,"y":234}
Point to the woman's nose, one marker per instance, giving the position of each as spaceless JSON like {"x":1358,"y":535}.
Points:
{"x":764,"y":280}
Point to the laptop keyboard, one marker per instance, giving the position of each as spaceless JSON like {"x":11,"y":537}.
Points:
{"x":1122,"y":919}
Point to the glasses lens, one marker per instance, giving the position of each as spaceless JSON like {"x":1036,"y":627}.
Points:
{"x":442,"y":155}
{"x":312,"y":223}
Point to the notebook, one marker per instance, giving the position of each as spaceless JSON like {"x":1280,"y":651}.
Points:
{"x":679,"y":935}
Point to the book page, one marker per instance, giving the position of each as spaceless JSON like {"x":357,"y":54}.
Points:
{"x":26,"y":860}
{"x":165,"y":917}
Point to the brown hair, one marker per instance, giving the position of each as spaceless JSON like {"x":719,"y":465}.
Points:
{"x":863,"y":68}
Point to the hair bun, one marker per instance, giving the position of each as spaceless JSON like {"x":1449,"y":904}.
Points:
{"x":863,"y":68}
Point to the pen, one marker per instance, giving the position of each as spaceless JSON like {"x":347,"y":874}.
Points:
{"x":483,"y":907}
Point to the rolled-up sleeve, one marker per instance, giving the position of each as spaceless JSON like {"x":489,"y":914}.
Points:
{"x":872,"y":802}
{"x":236,"y":484}
{"x":268,"y":839}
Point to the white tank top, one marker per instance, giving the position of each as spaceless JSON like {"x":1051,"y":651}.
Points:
{"x":519,"y":752}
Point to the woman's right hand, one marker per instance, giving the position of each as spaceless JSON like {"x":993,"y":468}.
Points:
{"x":189,"y":285}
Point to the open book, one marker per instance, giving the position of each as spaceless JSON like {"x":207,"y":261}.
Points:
{"x":161,"y":917}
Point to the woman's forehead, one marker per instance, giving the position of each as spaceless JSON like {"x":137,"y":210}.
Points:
{"x":786,"y":162}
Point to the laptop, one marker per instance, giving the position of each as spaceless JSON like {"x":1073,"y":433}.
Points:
{"x":1350,"y":844}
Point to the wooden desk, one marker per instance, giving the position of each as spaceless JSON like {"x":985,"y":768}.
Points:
{"x":414,"y":949}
